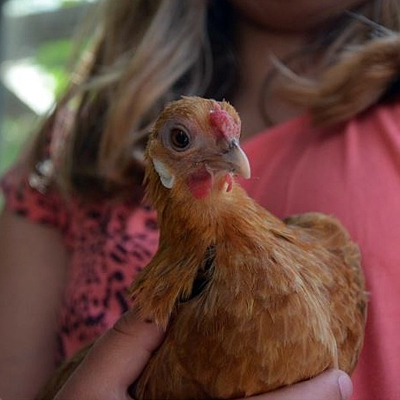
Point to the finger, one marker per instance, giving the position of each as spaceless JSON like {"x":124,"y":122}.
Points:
{"x":330,"y":385}
{"x":115,"y":361}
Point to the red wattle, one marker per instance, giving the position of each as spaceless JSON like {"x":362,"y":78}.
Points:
{"x":200,"y":184}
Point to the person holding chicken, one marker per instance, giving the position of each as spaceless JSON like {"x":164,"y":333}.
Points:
{"x":315,"y":84}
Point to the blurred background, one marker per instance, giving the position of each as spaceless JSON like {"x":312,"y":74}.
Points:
{"x":36,"y":39}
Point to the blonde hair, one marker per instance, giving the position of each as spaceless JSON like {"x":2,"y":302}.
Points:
{"x":361,"y":66}
{"x":144,"y":53}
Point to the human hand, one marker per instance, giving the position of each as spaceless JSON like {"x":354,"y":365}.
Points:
{"x":114,"y":362}
{"x":330,"y":385}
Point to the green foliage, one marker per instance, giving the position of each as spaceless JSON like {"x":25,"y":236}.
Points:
{"x":53,"y":57}
{"x":71,"y":3}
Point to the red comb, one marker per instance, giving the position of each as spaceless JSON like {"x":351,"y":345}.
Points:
{"x":221,"y":120}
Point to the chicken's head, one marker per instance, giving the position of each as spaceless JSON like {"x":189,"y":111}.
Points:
{"x":195,"y":143}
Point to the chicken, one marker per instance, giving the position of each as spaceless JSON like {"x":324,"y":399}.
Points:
{"x":251,"y":303}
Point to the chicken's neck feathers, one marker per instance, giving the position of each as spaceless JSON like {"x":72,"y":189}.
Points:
{"x":214,"y":216}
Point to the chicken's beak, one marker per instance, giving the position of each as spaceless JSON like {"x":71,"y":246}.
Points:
{"x":233,"y":159}
{"x":238,"y":159}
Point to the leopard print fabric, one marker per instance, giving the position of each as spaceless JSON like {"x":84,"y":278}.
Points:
{"x":108,"y":245}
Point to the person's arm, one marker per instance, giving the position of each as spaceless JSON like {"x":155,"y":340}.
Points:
{"x":119,"y":356}
{"x":32,"y":274}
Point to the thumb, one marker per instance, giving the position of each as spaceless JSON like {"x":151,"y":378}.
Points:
{"x":115,"y":361}
{"x":330,"y":385}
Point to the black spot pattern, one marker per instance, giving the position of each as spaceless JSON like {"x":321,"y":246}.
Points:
{"x":109,"y":243}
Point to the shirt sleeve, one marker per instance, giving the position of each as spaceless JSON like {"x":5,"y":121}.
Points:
{"x":24,"y":196}
{"x":28,"y":191}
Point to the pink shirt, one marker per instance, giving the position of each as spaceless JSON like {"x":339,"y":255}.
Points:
{"x":351,"y":171}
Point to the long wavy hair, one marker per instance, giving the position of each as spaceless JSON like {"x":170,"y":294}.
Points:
{"x":140,"y":54}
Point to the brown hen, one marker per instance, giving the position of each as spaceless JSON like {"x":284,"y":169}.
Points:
{"x":250,"y":302}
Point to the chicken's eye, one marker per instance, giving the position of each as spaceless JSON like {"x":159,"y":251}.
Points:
{"x":180,"y":140}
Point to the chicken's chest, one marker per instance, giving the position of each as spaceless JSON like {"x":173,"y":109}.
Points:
{"x":251,"y":319}
{"x":237,"y":335}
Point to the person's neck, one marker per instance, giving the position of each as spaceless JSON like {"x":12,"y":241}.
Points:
{"x":256,"y":48}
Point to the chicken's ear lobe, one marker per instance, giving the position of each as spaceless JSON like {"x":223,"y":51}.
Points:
{"x":166,"y":177}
